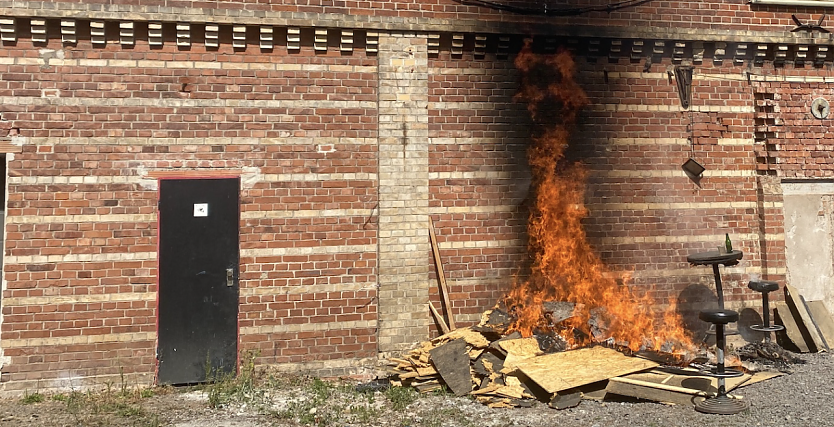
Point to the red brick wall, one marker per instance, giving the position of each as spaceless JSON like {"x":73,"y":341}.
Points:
{"x":479,"y":178}
{"x":78,"y":190}
{"x":798,"y":144}
{"x":710,"y":15}
{"x":100,"y":124}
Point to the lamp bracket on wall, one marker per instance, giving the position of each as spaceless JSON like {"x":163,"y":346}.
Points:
{"x":683,"y":79}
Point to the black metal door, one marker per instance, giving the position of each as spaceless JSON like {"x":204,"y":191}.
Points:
{"x":198,"y":271}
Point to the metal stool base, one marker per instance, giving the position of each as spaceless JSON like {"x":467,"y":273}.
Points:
{"x":763,"y":328}
{"x":721,"y":405}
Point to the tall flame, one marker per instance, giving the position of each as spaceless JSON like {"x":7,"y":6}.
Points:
{"x":564,"y":266}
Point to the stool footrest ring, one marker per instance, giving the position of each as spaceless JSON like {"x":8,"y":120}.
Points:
{"x":727,"y":332}
{"x":771,"y":328}
{"x":728,"y":373}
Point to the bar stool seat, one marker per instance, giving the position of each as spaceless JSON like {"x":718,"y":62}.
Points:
{"x":763,"y":286}
{"x":719,"y":316}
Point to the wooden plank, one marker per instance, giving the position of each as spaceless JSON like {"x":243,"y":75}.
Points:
{"x":655,"y":392}
{"x":822,"y":317}
{"x":785,"y":318}
{"x":687,"y":378}
{"x":441,"y":276}
{"x":796,"y":302}
{"x":561,"y":371}
{"x":439,"y":318}
{"x":424,"y":372}
{"x":452,"y":363}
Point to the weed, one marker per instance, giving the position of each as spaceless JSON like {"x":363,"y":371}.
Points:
{"x":364,"y":414}
{"x":30,"y":398}
{"x":438,"y":417}
{"x":98,"y":408}
{"x":127,"y":410}
{"x":401,"y":397}
{"x":321,"y":389}
{"x":122,"y":382}
{"x":223,"y":388}
{"x":326,"y":404}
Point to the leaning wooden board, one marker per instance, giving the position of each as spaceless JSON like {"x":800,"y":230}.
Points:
{"x":796,"y":302}
{"x":822,"y":317}
{"x":569,"y":369}
{"x":452,"y":362}
{"x":785,"y":318}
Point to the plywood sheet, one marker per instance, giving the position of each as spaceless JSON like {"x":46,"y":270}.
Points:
{"x":786,"y":319}
{"x":822,"y":317}
{"x":796,"y":302}
{"x":569,"y":369}
{"x":662,"y":393}
{"x":452,"y":362}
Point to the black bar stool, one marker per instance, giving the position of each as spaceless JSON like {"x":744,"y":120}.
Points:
{"x":765,"y":287}
{"x":721,"y":403}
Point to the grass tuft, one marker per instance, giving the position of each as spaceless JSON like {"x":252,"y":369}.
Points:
{"x":30,"y":398}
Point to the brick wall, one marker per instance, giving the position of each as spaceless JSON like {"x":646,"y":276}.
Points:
{"x":684,"y":17}
{"x":99,"y":126}
{"x":347,"y":143}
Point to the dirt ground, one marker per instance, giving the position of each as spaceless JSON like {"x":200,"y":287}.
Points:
{"x":802,"y":398}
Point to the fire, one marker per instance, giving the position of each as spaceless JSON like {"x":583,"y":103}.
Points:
{"x":564,"y":266}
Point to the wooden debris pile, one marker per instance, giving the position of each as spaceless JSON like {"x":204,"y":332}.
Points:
{"x":511,"y":371}
{"x":505,"y":371}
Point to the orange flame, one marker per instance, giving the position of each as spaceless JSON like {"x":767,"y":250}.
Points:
{"x":564,"y":266}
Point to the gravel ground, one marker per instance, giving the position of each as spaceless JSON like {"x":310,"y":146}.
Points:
{"x":803,"y":398}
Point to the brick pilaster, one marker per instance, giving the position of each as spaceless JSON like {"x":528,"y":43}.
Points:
{"x":403,"y":191}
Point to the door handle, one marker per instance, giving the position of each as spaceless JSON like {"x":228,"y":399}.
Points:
{"x":230,"y":277}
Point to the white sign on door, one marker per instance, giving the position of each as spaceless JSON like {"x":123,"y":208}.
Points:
{"x":200,"y":209}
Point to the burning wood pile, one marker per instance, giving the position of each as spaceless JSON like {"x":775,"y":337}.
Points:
{"x":504,"y":371}
{"x":572,"y":329}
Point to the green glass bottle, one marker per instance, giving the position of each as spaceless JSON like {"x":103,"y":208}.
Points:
{"x":727,"y":243}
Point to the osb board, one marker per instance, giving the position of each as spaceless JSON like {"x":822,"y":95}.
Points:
{"x":792,"y":331}
{"x":524,"y":347}
{"x":561,"y":371}
{"x":822,"y":317}
{"x":473,"y":338}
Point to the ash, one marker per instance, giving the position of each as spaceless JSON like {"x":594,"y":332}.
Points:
{"x":767,"y":356}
